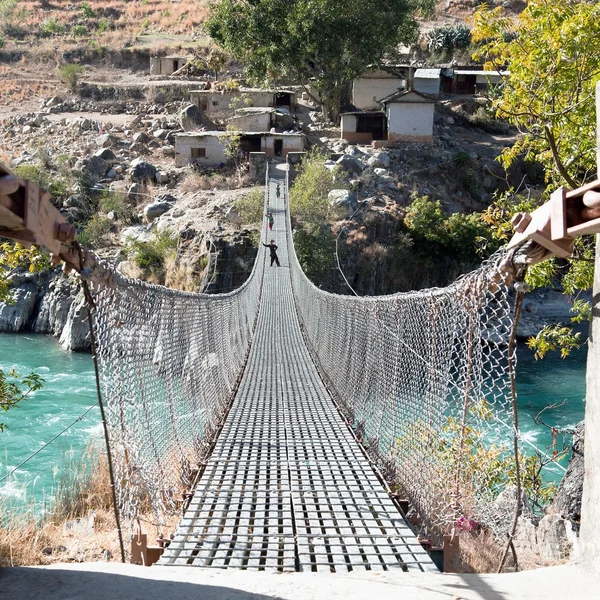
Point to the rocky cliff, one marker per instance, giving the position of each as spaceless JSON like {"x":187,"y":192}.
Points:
{"x":48,"y":303}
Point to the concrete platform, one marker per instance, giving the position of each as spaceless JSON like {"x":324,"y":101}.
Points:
{"x":115,"y":581}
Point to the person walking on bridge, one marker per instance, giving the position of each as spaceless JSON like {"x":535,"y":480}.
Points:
{"x":271,"y":220}
{"x":273,"y":250}
{"x":278,"y":191}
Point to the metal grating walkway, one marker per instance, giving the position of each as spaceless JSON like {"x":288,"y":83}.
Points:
{"x":287,"y":486}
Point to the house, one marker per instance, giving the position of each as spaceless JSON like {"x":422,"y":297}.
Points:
{"x":409,"y":116}
{"x":463,"y":81}
{"x":166,"y":65}
{"x":362,"y":127}
{"x":378,"y":82}
{"x":209,"y":147}
{"x":224,"y":103}
{"x":261,"y":119}
{"x":427,"y":81}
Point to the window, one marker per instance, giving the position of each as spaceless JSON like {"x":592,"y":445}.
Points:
{"x":198,"y":152}
{"x":215,"y":103}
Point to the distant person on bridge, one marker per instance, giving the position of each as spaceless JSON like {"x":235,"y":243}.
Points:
{"x":271,"y":220}
{"x":273,"y":250}
{"x":278,"y":191}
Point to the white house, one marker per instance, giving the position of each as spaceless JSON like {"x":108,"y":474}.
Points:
{"x":208,"y":147}
{"x":427,"y":81}
{"x":224,"y":103}
{"x":166,"y":65}
{"x":261,"y":119}
{"x":377,"y":83}
{"x":409,"y":116}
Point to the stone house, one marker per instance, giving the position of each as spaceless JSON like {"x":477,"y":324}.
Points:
{"x":377,"y":83}
{"x":409,"y":116}
{"x":208,"y":147}
{"x":225,"y":103}
{"x":167,"y":65}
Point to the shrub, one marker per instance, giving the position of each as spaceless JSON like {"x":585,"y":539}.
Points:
{"x":79,"y":31}
{"x":251,"y":207}
{"x":308,"y":195}
{"x":69,"y":74}
{"x":51,"y":27}
{"x":152,"y":255}
{"x":116,"y":204}
{"x":86,"y":11}
{"x":96,"y":231}
{"x":2,"y":42}
{"x":105,"y":25}
{"x":448,"y":38}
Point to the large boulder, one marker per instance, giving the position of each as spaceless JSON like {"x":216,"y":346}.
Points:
{"x":192,"y":118}
{"x":380,"y":160}
{"x":554,"y":538}
{"x":76,"y":333}
{"x":154,"y":210}
{"x":141,"y":171}
{"x":15,"y":317}
{"x":343,"y":199}
{"x":350,"y":164}
{"x":105,"y":140}
{"x":233,"y":216}
{"x":107,"y":155}
{"x":96,"y":166}
{"x":53,"y":311}
{"x":141,"y":137}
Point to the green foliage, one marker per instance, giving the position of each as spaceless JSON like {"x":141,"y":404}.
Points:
{"x":315,"y":248}
{"x":448,"y":38}
{"x":96,"y":231}
{"x":57,"y":187}
{"x":69,"y":74}
{"x":12,"y":16}
{"x":151,"y":255}
{"x":464,"y":237}
{"x":79,"y":31}
{"x":308,"y":194}
{"x":549,"y":94}
{"x":2,"y":42}
{"x":328,"y":40}
{"x":86,"y":11}
{"x":105,"y":25}
{"x":116,"y":204}
{"x":555,"y":337}
{"x":52,"y":26}
{"x":251,"y":207}
{"x":14,"y":388}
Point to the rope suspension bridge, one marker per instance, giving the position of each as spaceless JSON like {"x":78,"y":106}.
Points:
{"x":278,"y":414}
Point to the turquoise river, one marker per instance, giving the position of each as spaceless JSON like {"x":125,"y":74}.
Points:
{"x":70,"y":390}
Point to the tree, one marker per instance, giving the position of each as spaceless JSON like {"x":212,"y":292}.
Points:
{"x":13,"y":387}
{"x":330,"y":41}
{"x":553,"y":52}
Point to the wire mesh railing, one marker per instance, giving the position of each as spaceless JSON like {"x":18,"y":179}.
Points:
{"x":425,"y":379}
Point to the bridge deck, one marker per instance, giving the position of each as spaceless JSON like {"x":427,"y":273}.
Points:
{"x":287,"y":486}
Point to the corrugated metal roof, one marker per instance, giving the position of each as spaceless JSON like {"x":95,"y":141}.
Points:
{"x":427,"y":73}
{"x":475,"y":72}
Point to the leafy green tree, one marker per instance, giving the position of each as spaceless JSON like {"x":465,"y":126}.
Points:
{"x":551,"y":49}
{"x":13,"y":387}
{"x":328,"y":41}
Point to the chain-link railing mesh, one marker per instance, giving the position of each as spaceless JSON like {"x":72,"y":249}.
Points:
{"x":424,"y":377}
{"x":169,"y":362}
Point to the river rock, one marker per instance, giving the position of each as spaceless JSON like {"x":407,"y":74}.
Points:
{"x":16,"y":317}
{"x":96,"y":166}
{"x":105,"y":141}
{"x":140,"y":138}
{"x":380,"y":160}
{"x":107,"y":155}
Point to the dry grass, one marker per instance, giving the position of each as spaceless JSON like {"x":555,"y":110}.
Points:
{"x":81,"y":526}
{"x":195,"y":181}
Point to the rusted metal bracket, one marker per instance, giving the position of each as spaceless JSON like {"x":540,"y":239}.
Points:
{"x":555,"y":225}
{"x":28,"y":216}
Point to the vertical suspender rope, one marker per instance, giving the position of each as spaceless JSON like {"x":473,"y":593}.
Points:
{"x":90,"y":304}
